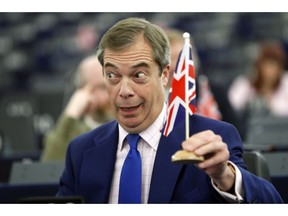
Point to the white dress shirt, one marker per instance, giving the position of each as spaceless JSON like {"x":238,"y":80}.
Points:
{"x":147,"y":146}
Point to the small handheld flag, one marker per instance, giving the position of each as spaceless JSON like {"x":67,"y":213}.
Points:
{"x":182,"y":99}
{"x":182,"y":94}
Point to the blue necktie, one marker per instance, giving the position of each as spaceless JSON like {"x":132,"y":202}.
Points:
{"x":131,"y":174}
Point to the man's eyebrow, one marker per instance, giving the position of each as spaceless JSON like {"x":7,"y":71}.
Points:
{"x":141,"y":64}
{"x":109,"y":65}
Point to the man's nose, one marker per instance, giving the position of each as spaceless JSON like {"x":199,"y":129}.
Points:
{"x":126,"y":89}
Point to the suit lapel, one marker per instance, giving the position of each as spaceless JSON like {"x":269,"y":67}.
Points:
{"x":165,"y":173}
{"x":98,"y":164}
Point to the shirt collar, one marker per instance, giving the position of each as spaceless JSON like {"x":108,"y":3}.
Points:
{"x":151,"y":135}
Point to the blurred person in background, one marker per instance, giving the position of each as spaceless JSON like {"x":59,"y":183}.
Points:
{"x":87,"y":108}
{"x":211,"y":100}
{"x":265,"y":91}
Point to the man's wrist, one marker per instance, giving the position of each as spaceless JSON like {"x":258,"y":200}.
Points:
{"x":227,"y":183}
{"x":232,"y":189}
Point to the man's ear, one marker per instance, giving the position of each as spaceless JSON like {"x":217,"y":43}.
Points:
{"x":165,"y":75}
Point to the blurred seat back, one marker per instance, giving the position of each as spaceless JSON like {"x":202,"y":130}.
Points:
{"x":36,"y":172}
{"x":17,"y":123}
{"x":268,"y":131}
{"x":6,"y":163}
{"x":277,"y":162}
{"x":257,"y":164}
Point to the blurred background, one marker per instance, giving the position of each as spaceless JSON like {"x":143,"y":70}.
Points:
{"x":40,"y":51}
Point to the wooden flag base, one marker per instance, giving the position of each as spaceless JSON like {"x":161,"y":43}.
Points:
{"x":185,"y":157}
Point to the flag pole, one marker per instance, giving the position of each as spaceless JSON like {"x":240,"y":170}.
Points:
{"x":186,"y":37}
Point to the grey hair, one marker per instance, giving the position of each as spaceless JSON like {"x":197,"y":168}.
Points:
{"x":124,"y":33}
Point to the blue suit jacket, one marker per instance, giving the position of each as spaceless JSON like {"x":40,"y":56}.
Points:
{"x":91,"y":158}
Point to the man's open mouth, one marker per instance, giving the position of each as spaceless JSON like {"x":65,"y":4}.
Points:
{"x":130,"y":108}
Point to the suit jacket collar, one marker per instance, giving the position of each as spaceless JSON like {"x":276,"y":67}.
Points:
{"x":165,"y":173}
{"x":101,"y":157}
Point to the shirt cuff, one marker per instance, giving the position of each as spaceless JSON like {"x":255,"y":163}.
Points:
{"x":238,"y":188}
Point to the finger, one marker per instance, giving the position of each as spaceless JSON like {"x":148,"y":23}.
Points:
{"x":193,"y":143}
{"x":216,"y":159}
{"x":200,"y":139}
{"x":211,"y":148}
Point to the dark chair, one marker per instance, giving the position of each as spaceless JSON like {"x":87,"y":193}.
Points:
{"x":257,"y":164}
{"x":18,"y":135}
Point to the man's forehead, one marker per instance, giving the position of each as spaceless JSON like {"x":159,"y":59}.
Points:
{"x":129,"y":55}
{"x":140,"y":44}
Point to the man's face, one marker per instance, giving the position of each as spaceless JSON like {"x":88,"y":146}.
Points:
{"x":135,"y":88}
{"x":99,"y":108}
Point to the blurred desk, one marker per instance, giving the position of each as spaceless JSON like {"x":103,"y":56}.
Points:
{"x":31,"y":179}
{"x":14,"y":193}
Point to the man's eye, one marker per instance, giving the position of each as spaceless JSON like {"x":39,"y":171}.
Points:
{"x":111,"y":75}
{"x":140,"y":75}
{"x":112,"y":78}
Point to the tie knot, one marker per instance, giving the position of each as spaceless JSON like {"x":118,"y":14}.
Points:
{"x":133,"y":140}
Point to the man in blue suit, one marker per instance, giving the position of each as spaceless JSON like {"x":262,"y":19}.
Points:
{"x":135,"y":56}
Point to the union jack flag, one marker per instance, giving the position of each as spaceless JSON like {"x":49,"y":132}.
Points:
{"x":207,"y":105}
{"x":182,"y":93}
